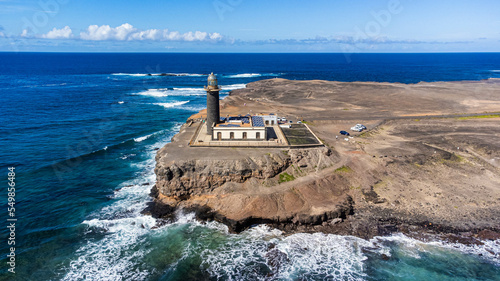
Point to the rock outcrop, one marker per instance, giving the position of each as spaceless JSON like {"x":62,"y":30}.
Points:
{"x":276,"y":187}
{"x":196,"y":177}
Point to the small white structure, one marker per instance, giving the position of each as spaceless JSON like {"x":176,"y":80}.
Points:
{"x":240,"y":128}
{"x":270,"y":120}
{"x":239,"y":133}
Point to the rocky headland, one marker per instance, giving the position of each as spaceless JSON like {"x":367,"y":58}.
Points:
{"x":429,"y":162}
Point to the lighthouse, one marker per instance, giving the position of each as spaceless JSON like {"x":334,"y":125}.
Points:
{"x":213,"y":113}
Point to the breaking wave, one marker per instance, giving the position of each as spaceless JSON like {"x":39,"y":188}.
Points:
{"x":263,"y":251}
{"x":139,"y":139}
{"x":250,"y":75}
{"x":160,"y":74}
{"x":172,"y":92}
{"x":171,"y":104}
{"x":119,"y":254}
{"x":233,"y":87}
{"x":297,"y":257}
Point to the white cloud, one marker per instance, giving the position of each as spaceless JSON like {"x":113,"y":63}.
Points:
{"x":63,"y":33}
{"x":126,"y":32}
{"x":25,"y":33}
{"x":216,"y":36}
{"x":2,"y":34}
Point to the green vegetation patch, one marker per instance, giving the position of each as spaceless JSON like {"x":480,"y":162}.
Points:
{"x":454,"y":158}
{"x":380,"y":184}
{"x":343,"y":169}
{"x":285,"y":177}
{"x":479,"y":116}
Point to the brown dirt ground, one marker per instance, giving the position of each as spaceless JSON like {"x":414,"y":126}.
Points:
{"x":419,"y":163}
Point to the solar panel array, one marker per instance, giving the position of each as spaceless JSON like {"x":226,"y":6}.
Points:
{"x":257,"y":121}
{"x":229,"y":125}
{"x":243,"y":119}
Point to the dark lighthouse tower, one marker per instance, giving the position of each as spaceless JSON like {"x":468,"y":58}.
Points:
{"x":213,"y":113}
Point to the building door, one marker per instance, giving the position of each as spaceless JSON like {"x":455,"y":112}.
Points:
{"x":219,"y":136}
{"x":244,"y":135}
{"x":272,"y":122}
{"x":267,"y":122}
{"x":231,"y":135}
{"x":257,"y":135}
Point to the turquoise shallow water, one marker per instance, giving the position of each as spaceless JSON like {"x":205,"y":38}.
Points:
{"x":82,"y":129}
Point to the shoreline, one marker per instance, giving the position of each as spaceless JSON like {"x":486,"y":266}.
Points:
{"x":365,"y":221}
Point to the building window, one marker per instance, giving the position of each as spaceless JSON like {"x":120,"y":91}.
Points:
{"x":257,"y":135}
{"x":272,"y":122}
{"x":231,"y":135}
{"x":267,"y":122}
{"x":219,"y":136}
{"x":244,"y":135}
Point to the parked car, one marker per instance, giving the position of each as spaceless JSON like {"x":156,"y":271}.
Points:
{"x":345,"y":133}
{"x":358,"y":128}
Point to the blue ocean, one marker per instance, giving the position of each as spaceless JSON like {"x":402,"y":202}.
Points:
{"x":82,"y":130}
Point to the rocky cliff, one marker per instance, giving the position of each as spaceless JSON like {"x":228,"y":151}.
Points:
{"x":274,"y":186}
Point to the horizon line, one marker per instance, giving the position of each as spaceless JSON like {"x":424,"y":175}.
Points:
{"x":180,"y":52}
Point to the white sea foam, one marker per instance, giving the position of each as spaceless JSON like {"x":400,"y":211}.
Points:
{"x":139,"y":139}
{"x":192,"y":108}
{"x":116,"y":256}
{"x":250,"y":75}
{"x":129,"y":74}
{"x":170,"y":104}
{"x":233,"y":87}
{"x":320,"y":256}
{"x":163,"y":92}
{"x":126,"y":156}
{"x":159,"y":74}
{"x":166,"y":92}
{"x":153,"y":93}
{"x":54,"y":85}
{"x":490,"y":249}
{"x":305,"y":256}
{"x":190,"y":218}
{"x":142,"y":138}
{"x":495,"y":70}
{"x":119,"y":254}
{"x":244,"y":75}
{"x":328,"y":256}
{"x":190,"y":89}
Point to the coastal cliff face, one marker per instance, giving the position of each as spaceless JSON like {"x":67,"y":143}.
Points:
{"x":188,"y":177}
{"x":253,"y":187}
{"x":185,"y":178}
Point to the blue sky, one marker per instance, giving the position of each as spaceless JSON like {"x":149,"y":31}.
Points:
{"x":250,"y":26}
